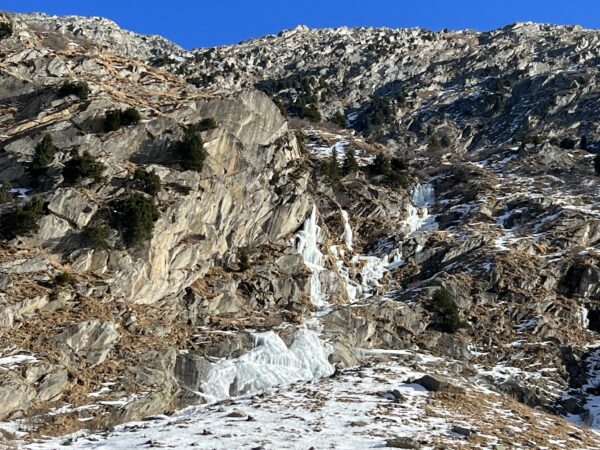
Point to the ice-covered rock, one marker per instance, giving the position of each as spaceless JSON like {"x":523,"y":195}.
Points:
{"x":270,"y":363}
{"x":348,"y":234}
{"x":418,"y":216}
{"x":307,"y":244}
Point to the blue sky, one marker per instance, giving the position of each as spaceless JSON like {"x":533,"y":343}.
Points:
{"x":202,"y":23}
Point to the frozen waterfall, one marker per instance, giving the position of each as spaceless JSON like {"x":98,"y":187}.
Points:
{"x":270,"y":363}
{"x":419,"y":219}
{"x":348,"y":236}
{"x":370,"y":268}
{"x":307,"y":244}
{"x":422,"y":195}
{"x":582,"y":316}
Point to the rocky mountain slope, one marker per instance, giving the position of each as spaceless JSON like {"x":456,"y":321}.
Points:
{"x":476,"y":88}
{"x":179,"y":234}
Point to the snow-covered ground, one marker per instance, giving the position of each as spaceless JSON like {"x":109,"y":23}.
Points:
{"x":374,"y":406}
{"x":356,"y":409}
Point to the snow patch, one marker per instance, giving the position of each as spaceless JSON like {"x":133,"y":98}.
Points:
{"x":10,"y":362}
{"x":21,"y":192}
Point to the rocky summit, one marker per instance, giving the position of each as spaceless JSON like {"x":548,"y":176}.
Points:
{"x":338,"y":238}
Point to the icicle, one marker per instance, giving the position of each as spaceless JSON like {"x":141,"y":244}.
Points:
{"x":422,"y":195}
{"x":348,"y":236}
{"x":582,"y":316}
{"x":307,"y":245}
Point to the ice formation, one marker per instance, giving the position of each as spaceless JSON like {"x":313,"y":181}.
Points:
{"x":419,"y":219}
{"x":423,"y":195}
{"x":582,"y":315}
{"x":307,"y":244}
{"x":270,"y":363}
{"x":348,"y":235}
{"x":372,"y":267}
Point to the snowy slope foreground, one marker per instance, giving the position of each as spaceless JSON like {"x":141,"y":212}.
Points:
{"x":368,"y":407}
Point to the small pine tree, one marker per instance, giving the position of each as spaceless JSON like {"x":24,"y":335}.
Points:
{"x":350,"y":164}
{"x":5,"y":194}
{"x":397,"y":177}
{"x":112,"y":120}
{"x":191,"y":151}
{"x":281,"y":106}
{"x":398,"y":165}
{"x":568,"y":143}
{"x":445,"y":313}
{"x":77,"y":88}
{"x":583,"y":144}
{"x":22,"y":220}
{"x":130,"y":116}
{"x":244,"y":260}
{"x":381,"y":165}
{"x":434,"y":143}
{"x":312,"y":113}
{"x":44,"y":153}
{"x":6,"y":29}
{"x":63,"y":279}
{"x":378,"y":111}
{"x":445,"y":142}
{"x":135,"y":217}
{"x":83,"y":166}
{"x":339,"y":119}
{"x":301,"y":139}
{"x":95,"y":235}
{"x":147,"y":182}
{"x":117,"y":118}
{"x":331,"y":168}
{"x":206,"y":124}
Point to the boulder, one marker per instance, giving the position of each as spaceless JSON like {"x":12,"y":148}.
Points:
{"x":6,"y":281}
{"x":15,"y":394}
{"x":434,"y":383}
{"x":72,"y":206}
{"x":191,"y":370}
{"x":155,"y":369}
{"x":30,"y":264}
{"x":52,"y":385}
{"x":52,"y":230}
{"x":449,"y":345}
{"x":91,"y":340}
{"x":463,"y":431}
{"x":251,"y":116}
{"x":154,"y":403}
{"x":582,"y":280}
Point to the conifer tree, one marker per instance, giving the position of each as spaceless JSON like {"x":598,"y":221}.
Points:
{"x":350,"y":164}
